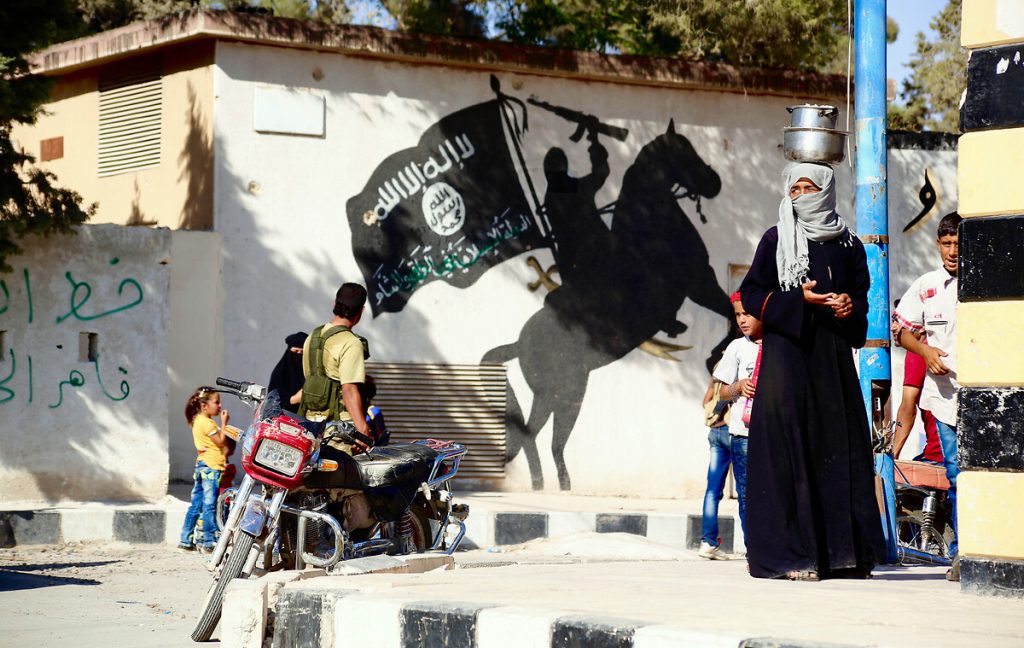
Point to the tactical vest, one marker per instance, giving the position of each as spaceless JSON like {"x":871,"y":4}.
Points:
{"x":319,"y":392}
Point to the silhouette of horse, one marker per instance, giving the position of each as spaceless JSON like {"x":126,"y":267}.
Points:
{"x":625,"y":291}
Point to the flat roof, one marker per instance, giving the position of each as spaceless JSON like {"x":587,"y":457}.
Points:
{"x":420,"y":49}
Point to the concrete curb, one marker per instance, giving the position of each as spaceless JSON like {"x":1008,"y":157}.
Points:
{"x":134,"y":525}
{"x":484,"y":528}
{"x":358,"y":618}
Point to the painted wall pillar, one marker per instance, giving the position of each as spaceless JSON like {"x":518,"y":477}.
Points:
{"x":990,"y":336}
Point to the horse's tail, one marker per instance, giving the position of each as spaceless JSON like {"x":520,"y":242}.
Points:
{"x":501,"y":354}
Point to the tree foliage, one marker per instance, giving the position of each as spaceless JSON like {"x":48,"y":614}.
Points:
{"x":938,"y":78}
{"x":30,"y":201}
{"x":794,"y":34}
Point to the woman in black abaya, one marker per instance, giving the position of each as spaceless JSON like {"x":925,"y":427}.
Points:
{"x":811,"y":508}
{"x":287,"y":377}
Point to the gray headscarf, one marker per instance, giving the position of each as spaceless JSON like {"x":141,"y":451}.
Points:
{"x":809,"y":216}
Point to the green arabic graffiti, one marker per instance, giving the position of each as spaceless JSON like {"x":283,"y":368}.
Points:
{"x":82,"y":291}
{"x":28,"y":294}
{"x":75,"y":379}
{"x":124,"y":386}
{"x":7,"y":295}
{"x":3,"y":383}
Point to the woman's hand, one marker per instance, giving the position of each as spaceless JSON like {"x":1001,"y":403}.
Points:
{"x":842,"y":305}
{"x":818,"y":299}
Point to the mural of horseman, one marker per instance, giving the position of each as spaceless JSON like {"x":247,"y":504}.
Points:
{"x":623,"y":286}
{"x":454,"y":206}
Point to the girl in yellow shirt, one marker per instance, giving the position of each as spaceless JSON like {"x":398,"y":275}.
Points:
{"x":211,"y":443}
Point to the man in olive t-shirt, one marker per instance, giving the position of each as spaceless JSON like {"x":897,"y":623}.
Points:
{"x":343,"y":357}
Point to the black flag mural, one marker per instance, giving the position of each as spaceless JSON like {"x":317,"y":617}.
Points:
{"x":446,"y":209}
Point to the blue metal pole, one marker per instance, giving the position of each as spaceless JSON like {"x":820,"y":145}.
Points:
{"x":871,"y":197}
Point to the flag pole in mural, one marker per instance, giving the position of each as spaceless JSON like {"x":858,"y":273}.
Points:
{"x":448,"y":208}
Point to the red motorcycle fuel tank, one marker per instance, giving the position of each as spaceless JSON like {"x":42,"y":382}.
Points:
{"x":281,"y":450}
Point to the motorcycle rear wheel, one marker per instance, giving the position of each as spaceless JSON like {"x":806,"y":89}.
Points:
{"x":422,"y":534}
{"x":215,"y":598}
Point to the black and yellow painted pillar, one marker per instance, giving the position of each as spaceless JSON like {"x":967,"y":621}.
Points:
{"x":990,"y":315}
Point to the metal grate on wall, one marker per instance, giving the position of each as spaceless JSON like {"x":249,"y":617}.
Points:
{"x":461,"y":403}
{"x":129,"y":121}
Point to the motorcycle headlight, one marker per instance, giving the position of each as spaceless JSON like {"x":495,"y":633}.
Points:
{"x":279,"y":457}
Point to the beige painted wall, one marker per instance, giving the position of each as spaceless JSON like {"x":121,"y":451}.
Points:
{"x":178,"y":193}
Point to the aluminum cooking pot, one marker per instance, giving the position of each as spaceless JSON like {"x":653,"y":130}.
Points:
{"x":823,"y":145}
{"x":813,"y":116}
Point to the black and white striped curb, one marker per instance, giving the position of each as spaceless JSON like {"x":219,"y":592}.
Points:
{"x":350,"y":618}
{"x":144,"y":525}
{"x":155,"y":525}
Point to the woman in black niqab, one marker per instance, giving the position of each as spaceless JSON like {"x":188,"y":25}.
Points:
{"x":811,"y":508}
{"x":287,"y":377}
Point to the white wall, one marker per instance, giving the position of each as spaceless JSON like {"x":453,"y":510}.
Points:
{"x":196,"y":342}
{"x":280,"y":207}
{"x":73,"y":428}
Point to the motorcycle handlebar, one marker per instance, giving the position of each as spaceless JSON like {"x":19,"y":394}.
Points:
{"x":224,"y":382}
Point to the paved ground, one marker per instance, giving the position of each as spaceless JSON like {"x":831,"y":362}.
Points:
{"x":99,"y":595}
{"x":116,"y":594}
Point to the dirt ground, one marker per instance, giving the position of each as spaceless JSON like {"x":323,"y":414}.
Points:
{"x":86,"y":595}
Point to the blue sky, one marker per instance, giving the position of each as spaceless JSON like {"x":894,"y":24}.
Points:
{"x":912,"y":16}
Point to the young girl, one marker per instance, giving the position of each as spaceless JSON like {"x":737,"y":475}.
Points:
{"x":211,"y":443}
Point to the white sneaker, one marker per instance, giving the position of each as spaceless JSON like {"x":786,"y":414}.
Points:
{"x":711,"y":553}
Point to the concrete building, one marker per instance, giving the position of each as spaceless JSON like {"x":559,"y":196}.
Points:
{"x":288,"y":157}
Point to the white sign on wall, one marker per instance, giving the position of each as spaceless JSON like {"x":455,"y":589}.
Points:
{"x":289,"y":111}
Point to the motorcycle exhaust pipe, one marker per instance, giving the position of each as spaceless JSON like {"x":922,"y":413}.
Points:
{"x":924,"y":557}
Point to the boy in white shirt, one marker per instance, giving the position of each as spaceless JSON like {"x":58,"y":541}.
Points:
{"x":732,"y":376}
{"x":925,"y":323}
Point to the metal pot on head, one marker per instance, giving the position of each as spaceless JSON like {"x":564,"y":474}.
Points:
{"x":812,"y":135}
{"x":813,"y":116}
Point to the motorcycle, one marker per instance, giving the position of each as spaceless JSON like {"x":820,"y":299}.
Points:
{"x":924,"y":522}
{"x":301,"y":502}
{"x":917,"y":502}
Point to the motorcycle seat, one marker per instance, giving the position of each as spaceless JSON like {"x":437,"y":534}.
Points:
{"x":922,"y":474}
{"x":406,"y":464}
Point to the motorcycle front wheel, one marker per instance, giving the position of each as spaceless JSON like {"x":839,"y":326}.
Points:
{"x":215,"y":597}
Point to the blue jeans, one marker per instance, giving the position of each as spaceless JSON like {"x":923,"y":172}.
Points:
{"x":725,"y":449}
{"x":204,"y":503}
{"x":947,"y":437}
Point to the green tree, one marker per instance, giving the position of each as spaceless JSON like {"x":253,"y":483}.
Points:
{"x":795,"y":34}
{"x":30,"y":201}
{"x":937,"y":80}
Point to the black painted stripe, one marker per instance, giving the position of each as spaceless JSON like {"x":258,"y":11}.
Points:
{"x":140,"y":527}
{"x":297,"y":619}
{"x":589,"y":632}
{"x":516,"y":528}
{"x":992,"y":577}
{"x":439,"y":625}
{"x":995,"y":89}
{"x":991,"y":258}
{"x":635,"y":523}
{"x":990,"y":432}
{"x":30,"y":528}
{"x":726,"y":532}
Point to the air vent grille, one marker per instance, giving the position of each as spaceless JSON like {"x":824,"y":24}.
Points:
{"x":461,"y":403}
{"x":129,"y":122}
